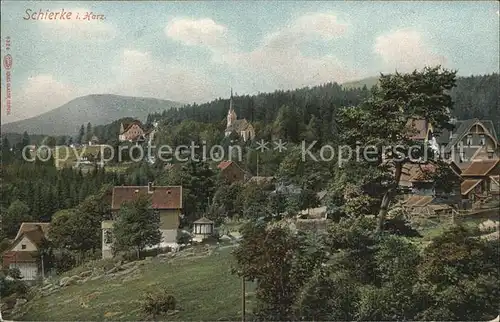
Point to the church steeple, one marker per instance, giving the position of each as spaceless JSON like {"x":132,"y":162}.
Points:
{"x":231,"y":114}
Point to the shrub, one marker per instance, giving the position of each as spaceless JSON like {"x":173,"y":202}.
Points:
{"x":158,"y":303}
{"x":184,"y":238}
{"x":14,"y":286}
{"x":63,"y":261}
{"x":127,"y":256}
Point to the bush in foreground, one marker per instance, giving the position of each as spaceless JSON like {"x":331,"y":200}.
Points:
{"x":158,"y":303}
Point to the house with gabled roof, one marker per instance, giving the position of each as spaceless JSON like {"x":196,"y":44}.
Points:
{"x":470,"y":140}
{"x":94,"y":140}
{"x":231,"y":171}
{"x":24,"y":251}
{"x":166,"y":201}
{"x":479,"y":179}
{"x":132,"y":132}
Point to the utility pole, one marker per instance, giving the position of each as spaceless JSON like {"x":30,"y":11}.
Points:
{"x":43,"y":271}
{"x":243,"y":299}
{"x":257,"y":164}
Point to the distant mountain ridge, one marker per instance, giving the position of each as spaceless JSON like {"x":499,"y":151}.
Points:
{"x":369,"y":82}
{"x":98,"y":109}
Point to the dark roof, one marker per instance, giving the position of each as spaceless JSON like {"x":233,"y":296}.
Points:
{"x":203,"y":220}
{"x":260,"y":179}
{"x":127,"y":126}
{"x":480,"y":168}
{"x":27,"y":226}
{"x":461,"y":128}
{"x":287,"y":189}
{"x":468,"y":185}
{"x":490,"y":126}
{"x":162,"y":197}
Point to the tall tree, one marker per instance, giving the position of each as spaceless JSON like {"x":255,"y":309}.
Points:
{"x":12,"y":218}
{"x":137,"y":226}
{"x":6,"y":155}
{"x":281,"y":261}
{"x":88,"y":132}
{"x":81,"y":134}
{"x":384,"y":121}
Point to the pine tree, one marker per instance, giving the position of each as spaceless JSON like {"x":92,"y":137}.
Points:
{"x":88,"y":132}
{"x":81,"y":134}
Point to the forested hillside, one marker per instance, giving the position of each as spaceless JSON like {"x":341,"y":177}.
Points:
{"x":297,"y":110}
{"x":477,"y":97}
{"x":474,"y":96}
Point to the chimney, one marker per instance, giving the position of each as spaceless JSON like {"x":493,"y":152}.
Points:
{"x":150,"y":187}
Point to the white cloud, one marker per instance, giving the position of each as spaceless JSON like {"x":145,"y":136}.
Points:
{"x":201,"y":32}
{"x":280,"y":62}
{"x":323,"y":24}
{"x":83,"y":29}
{"x":406,"y":50}
{"x":136,"y":73}
{"x":140,"y":74}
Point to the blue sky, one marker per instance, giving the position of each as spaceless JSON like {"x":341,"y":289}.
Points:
{"x":196,"y":51}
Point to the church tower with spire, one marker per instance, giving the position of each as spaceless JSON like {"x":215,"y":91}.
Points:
{"x":241,"y":127}
{"x":231,"y":114}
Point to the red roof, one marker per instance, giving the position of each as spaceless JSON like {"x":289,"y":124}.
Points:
{"x":480,"y":168}
{"x":162,"y":197}
{"x":127,"y":126}
{"x":224,"y":164}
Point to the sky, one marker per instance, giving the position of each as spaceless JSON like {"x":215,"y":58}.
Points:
{"x":196,"y":51}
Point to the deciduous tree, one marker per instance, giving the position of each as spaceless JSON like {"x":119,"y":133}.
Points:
{"x":137,"y":226}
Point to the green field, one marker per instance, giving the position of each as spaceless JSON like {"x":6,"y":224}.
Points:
{"x":204,"y":288}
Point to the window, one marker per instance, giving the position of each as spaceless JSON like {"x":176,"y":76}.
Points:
{"x":482,"y":139}
{"x":23,"y":246}
{"x":469,"y":139}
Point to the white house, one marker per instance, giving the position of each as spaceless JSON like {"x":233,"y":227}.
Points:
{"x":23,"y":253}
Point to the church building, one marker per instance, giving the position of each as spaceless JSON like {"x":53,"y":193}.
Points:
{"x":241,"y":127}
